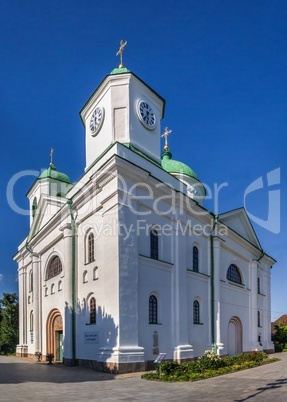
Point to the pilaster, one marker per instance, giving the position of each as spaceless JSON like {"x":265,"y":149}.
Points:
{"x":36,"y":267}
{"x":254,"y":306}
{"x":182,"y":349}
{"x":22,"y":347}
{"x":216,"y":244}
{"x":67,"y":319}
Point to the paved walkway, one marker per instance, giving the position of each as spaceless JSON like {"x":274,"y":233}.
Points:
{"x":23,"y":380}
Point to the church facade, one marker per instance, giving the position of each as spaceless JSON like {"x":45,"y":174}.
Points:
{"x":127,"y":263}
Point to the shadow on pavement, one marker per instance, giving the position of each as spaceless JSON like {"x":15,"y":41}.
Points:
{"x":16,"y":372}
{"x":272,"y":385}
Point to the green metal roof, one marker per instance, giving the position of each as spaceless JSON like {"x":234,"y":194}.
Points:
{"x":52,"y":173}
{"x":120,"y":70}
{"x":172,"y":166}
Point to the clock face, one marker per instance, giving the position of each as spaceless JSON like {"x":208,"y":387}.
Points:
{"x":97,"y":120}
{"x":146,"y":115}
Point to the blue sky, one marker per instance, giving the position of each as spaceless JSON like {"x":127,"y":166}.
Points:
{"x":220,"y":65}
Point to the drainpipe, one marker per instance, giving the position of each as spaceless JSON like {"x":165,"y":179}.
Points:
{"x":73,"y":268}
{"x":214,"y":347}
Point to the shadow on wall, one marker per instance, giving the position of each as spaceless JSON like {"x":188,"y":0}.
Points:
{"x":93,"y":330}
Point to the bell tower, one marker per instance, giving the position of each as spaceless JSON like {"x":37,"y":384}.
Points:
{"x":122,"y":109}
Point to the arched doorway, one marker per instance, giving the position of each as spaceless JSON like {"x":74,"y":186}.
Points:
{"x":55,"y":335}
{"x":234,"y":336}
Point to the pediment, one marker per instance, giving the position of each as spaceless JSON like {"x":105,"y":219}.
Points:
{"x":47,"y":208}
{"x":239,"y":222}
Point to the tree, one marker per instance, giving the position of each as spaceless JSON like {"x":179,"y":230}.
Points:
{"x":9,"y":322}
{"x":280,"y":336}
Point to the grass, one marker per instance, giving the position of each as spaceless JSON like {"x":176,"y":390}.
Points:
{"x":210,"y":365}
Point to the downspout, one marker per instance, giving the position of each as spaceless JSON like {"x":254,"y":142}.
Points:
{"x":73,"y":269}
{"x":214,"y":348}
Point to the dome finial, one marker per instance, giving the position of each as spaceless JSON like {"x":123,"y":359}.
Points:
{"x":165,"y":135}
{"x":120,"y":52}
{"x":51,"y":156}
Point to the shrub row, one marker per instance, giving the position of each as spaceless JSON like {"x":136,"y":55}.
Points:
{"x":208,"y":366}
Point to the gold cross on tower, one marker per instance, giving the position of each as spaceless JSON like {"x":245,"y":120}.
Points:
{"x":120,"y":52}
{"x":51,"y":156}
{"x":165,"y":135}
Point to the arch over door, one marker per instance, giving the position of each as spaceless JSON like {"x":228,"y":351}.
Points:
{"x":55,"y":334}
{"x":234,"y":336}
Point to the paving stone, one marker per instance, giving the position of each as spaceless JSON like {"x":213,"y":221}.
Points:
{"x":25,"y":380}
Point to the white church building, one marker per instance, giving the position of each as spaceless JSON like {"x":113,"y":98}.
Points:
{"x":127,"y":263}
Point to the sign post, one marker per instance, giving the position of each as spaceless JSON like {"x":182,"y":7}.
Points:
{"x":159,"y":360}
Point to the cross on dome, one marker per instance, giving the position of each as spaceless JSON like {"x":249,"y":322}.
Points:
{"x":51,"y":156}
{"x":165,"y":136}
{"x":120,"y":52}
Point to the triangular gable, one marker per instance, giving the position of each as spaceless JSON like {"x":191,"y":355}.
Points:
{"x":47,"y":208}
{"x":238,"y":221}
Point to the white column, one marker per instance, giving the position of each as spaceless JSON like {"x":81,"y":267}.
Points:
{"x":217,"y":318}
{"x":182,"y":348}
{"x":266,"y":335}
{"x":21,"y":349}
{"x":253,"y":306}
{"x":36,"y":267}
{"x":67,"y":288}
{"x":123,"y":269}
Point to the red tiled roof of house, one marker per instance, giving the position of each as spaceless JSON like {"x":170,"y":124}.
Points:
{"x":282,"y":319}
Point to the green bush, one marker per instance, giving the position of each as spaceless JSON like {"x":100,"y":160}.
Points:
{"x":278,"y":347}
{"x":209,"y":365}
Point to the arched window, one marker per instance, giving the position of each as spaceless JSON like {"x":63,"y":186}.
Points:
{"x":31,"y":281}
{"x":258,"y":319}
{"x":196,"y":316}
{"x":59,"y":286}
{"x":233,"y":274}
{"x":258,"y":285}
{"x":93,"y":310}
{"x":91,"y":247}
{"x":95,"y":273}
{"x":31,"y":321}
{"x":85,"y":276}
{"x":34,"y":207}
{"x":54,"y":267}
{"x":154,"y":244}
{"x":52,"y":289}
{"x":152,"y":309}
{"x":195,"y":259}
{"x":46,"y":291}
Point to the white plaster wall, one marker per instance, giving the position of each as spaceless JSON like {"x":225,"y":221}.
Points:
{"x":155,"y":278}
{"x":198,"y":289}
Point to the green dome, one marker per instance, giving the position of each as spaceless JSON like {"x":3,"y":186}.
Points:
{"x":52,"y":173}
{"x":175,"y":167}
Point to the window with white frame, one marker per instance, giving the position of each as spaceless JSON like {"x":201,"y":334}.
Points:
{"x":153,"y":310}
{"x":196,"y":312}
{"x":91,"y":247}
{"x":93,"y":313}
{"x":154,"y":244}
{"x":233,"y":274}
{"x":31,"y":281}
{"x":95,"y":273}
{"x":31,"y":321}
{"x":54,"y":267}
{"x":195,"y":259}
{"x":85,"y":277}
